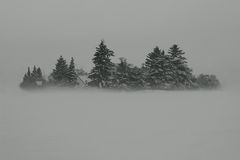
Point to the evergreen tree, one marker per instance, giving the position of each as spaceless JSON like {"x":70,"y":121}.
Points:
{"x":39,"y":74}
{"x":27,"y":80}
{"x":128,"y":76}
{"x":156,"y":64}
{"x":40,"y":77}
{"x":23,"y":84}
{"x":29,"y":74}
{"x":135,"y":78}
{"x":152,"y":57}
{"x":101,"y":73}
{"x":72,"y":75}
{"x":181,"y":73}
{"x":31,"y":79}
{"x":122,"y":73}
{"x":59,"y":74}
{"x":34,"y":74}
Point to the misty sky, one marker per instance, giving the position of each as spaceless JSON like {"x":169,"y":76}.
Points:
{"x":37,"y":32}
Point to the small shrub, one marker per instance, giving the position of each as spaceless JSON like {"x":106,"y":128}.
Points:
{"x":207,"y":81}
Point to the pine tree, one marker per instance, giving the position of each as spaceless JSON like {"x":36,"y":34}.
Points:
{"x":24,"y":83}
{"x":39,"y":74}
{"x":122,"y":73}
{"x":27,"y":80}
{"x":29,"y":73}
{"x":30,"y":79}
{"x":102,"y":71}
{"x":40,"y":77}
{"x":72,"y":75}
{"x":156,"y":64}
{"x":60,"y":72}
{"x":181,"y":73}
{"x":34,"y":74}
{"x":152,"y":57}
{"x":128,"y":76}
{"x":136,"y":78}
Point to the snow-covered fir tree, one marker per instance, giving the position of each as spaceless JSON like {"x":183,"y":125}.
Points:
{"x":101,"y":74}
{"x":34,"y":74}
{"x":39,"y":74}
{"x":181,"y":74}
{"x":27,"y":80}
{"x":122,"y":73}
{"x":40,"y":78}
{"x":156,"y":64}
{"x":29,"y":75}
{"x":31,"y":79}
{"x":59,"y":74}
{"x":135,"y":79}
{"x":128,"y":76}
{"x":72,"y":75}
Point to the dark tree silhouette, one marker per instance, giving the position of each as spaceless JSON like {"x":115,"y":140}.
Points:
{"x":136,"y":79}
{"x":29,"y":74}
{"x":122,"y":73}
{"x":72,"y":75}
{"x":34,"y":74}
{"x":157,"y":66}
{"x":59,"y":74}
{"x":33,"y":79}
{"x":39,"y":74}
{"x":27,"y":80}
{"x":101,"y":73}
{"x":159,"y":71}
{"x":181,"y":74}
{"x":128,"y":76}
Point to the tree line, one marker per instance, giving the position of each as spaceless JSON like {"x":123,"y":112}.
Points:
{"x":161,"y":70}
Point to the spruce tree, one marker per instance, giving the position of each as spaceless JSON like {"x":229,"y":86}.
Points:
{"x":23,"y":84}
{"x":181,"y":73}
{"x":101,"y":73}
{"x":27,"y":80}
{"x":34,"y":74}
{"x":156,"y":64}
{"x":39,"y":74}
{"x":136,"y":78}
{"x":72,"y":75}
{"x":29,"y":73}
{"x":29,"y":77}
{"x":122,"y":73}
{"x":40,"y":77}
{"x":60,"y":72}
{"x":128,"y":76}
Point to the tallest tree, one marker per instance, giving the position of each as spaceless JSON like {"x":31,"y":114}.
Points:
{"x":101,"y":73}
{"x":156,"y":63}
{"x":181,"y":73}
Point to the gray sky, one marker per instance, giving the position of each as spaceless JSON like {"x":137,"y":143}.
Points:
{"x":37,"y":32}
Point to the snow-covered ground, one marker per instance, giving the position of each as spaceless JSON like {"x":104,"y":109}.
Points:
{"x":100,"y":125}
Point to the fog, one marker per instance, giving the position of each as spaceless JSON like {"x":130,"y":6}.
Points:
{"x":103,"y":125}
